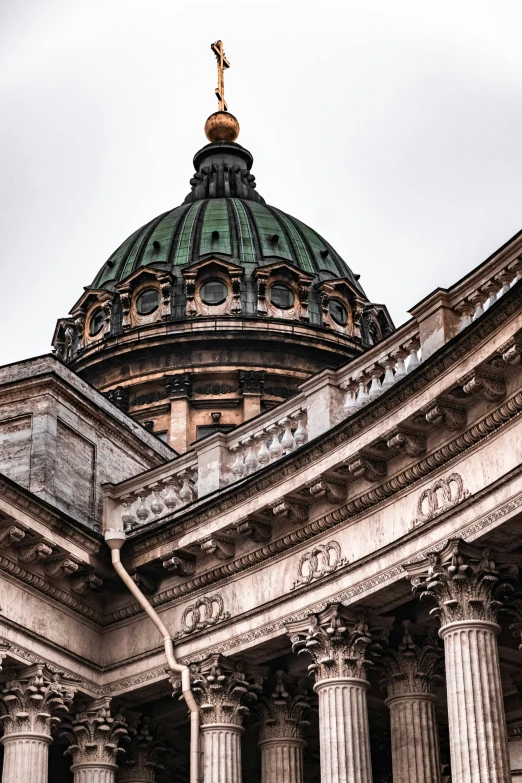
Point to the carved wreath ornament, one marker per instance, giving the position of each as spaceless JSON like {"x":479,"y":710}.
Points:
{"x":440,"y":496}
{"x":321,"y":560}
{"x":203,"y":613}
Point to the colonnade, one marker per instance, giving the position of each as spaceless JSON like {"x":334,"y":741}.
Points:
{"x":464,"y":584}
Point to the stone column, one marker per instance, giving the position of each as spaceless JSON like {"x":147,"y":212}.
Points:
{"x":141,"y":760}
{"x":31,"y":703}
{"x":220,"y":687}
{"x":467,"y":584}
{"x":93,"y":735}
{"x":411,"y":675}
{"x":281,"y":731}
{"x":339,"y":641}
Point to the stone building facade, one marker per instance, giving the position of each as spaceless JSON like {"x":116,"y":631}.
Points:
{"x":249,"y":530}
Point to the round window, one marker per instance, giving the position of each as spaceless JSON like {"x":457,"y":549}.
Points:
{"x":213,"y":292}
{"x":97,"y":322}
{"x":282,"y":296}
{"x":338,"y":312}
{"x":147,"y":301}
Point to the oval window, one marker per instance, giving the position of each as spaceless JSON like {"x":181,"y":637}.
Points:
{"x":97,"y":322}
{"x":213,"y":292}
{"x":282,"y":296}
{"x":338,"y":312}
{"x":147,"y":301}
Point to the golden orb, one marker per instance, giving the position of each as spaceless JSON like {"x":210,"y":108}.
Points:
{"x":222,"y":126}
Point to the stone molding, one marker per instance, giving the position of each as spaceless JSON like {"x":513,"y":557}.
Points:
{"x":466,"y":582}
{"x":33,"y":701}
{"x":340,"y":641}
{"x":412,"y":669}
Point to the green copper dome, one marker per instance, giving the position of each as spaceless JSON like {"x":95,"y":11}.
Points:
{"x":223,"y":216}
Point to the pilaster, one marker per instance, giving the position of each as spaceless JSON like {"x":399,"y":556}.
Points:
{"x":31,"y":703}
{"x":467,"y":584}
{"x":93,"y":735}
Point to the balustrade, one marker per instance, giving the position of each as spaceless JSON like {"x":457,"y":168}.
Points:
{"x":151,"y":502}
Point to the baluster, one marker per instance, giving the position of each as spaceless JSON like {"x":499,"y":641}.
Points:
{"x":505,"y":278}
{"x":363,"y":398}
{"x":389,"y":378}
{"x":412,"y":347}
{"x":275,"y":448}
{"x":185,"y":493}
{"x":287,"y":441}
{"x":375,"y":385}
{"x":478,"y":299}
{"x":350,"y":404}
{"x":465,"y":309}
{"x":491,"y":290}
{"x":400,"y":370}
{"x":263,"y":455}
{"x":127,"y":517}
{"x":517,"y":269}
{"x":301,"y":433}
{"x":156,"y":504}
{"x":251,"y":463}
{"x":238,"y":466}
{"x":170,"y":498}
{"x":142,"y":511}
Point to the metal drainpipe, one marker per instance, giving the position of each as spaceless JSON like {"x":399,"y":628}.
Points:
{"x":115,"y":540}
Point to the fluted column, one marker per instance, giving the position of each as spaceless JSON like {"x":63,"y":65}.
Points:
{"x":467,"y":584}
{"x":142,"y":753}
{"x":93,"y":735}
{"x":31,"y":703}
{"x":221,"y":687}
{"x":339,"y":641}
{"x":411,"y":675}
{"x":281,"y":730}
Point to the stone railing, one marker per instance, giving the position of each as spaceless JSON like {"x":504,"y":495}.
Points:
{"x":322,"y":402}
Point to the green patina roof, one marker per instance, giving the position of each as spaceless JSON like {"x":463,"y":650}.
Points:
{"x":245,"y":235}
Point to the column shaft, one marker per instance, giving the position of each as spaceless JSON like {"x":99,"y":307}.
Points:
{"x":414,"y":739}
{"x":477,"y":724}
{"x":343,"y":731}
{"x":221,"y":753}
{"x":94,"y":773}
{"x":26,"y":758}
{"x":282,"y":760}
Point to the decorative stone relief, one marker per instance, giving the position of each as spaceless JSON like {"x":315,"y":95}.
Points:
{"x":34,"y":700}
{"x":203,"y":613}
{"x":486,"y":385}
{"x":339,"y":640}
{"x":180,"y":565}
{"x":11,"y":535}
{"x":321,"y":560}
{"x":366,"y":466}
{"x":255,"y":530}
{"x":440,"y":496}
{"x":410,"y":668}
{"x":410,"y":442}
{"x":464,"y":581}
{"x":222,"y":546}
{"x":60,"y":566}
{"x":221,"y":686}
{"x":448,"y":414}
{"x":93,"y":734}
{"x":178,"y":385}
{"x":34,"y":552}
{"x":329,"y":488}
{"x":282,"y":713}
{"x":85,"y":583}
{"x":251,"y":381}
{"x":119,"y":397}
{"x":296,"y":512}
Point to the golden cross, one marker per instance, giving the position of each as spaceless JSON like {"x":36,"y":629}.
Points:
{"x":222,"y":64}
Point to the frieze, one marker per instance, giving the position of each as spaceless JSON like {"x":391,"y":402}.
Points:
{"x":150,"y":397}
{"x":353,"y":508}
{"x":321,"y":560}
{"x":480,"y":331}
{"x":439,"y":497}
{"x":215,"y":389}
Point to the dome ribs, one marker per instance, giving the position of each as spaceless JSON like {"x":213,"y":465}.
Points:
{"x":296,"y":241}
{"x":247,"y":248}
{"x":184,"y":244}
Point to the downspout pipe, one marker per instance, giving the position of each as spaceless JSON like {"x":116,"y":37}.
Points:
{"x":115,"y":539}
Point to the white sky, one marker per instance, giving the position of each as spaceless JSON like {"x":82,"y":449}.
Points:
{"x":393,"y":128}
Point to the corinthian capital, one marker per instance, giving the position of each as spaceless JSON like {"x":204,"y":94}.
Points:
{"x":221,"y":687}
{"x":142,"y":753}
{"x":412,"y":668}
{"x":464,"y":581}
{"x":34,"y":700}
{"x":93,"y":734}
{"x":282,"y":713}
{"x":340,"y":641}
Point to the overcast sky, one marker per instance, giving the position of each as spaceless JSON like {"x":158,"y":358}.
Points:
{"x":392,"y":128}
